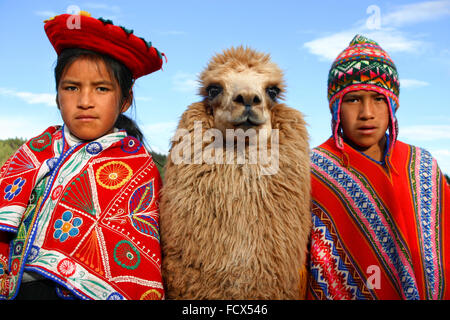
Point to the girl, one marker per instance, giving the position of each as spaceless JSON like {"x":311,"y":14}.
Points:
{"x":79,"y":203}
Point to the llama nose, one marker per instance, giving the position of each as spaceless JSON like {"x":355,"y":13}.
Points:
{"x":247,"y":99}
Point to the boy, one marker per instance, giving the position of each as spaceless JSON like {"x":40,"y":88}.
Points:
{"x":380,"y":207}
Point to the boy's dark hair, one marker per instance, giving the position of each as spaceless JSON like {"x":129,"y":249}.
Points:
{"x":120,"y":72}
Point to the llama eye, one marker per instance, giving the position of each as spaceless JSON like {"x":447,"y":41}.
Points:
{"x":213,"y":91}
{"x":273,"y":92}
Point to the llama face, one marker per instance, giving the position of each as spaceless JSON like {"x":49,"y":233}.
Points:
{"x":241,"y":86}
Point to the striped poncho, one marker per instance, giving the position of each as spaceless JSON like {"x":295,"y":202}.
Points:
{"x":379,"y":231}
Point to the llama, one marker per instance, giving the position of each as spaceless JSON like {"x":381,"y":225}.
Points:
{"x":237,"y":228}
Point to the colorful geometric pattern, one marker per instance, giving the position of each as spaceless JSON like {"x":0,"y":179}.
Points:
{"x":424,"y":170}
{"x":362,"y":62}
{"x":333,"y":274}
{"x":363,"y":65}
{"x":371,"y":217}
{"x":143,"y":220}
{"x":88,"y":221}
{"x":390,"y":217}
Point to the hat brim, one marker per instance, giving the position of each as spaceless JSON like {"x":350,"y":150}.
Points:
{"x":93,"y":34}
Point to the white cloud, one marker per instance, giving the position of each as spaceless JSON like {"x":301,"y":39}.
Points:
{"x":46,"y":14}
{"x":426,"y":132}
{"x":412,"y":83}
{"x":328,"y":47}
{"x":386,"y":32}
{"x":144,"y":99}
{"x":417,"y":12}
{"x":158,"y":135}
{"x":442,"y":157}
{"x":185,"y":82}
{"x":19,"y":127}
{"x":102,"y":6}
{"x":29,"y":97}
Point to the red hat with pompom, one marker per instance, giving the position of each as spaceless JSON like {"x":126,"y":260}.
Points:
{"x":100,"y":35}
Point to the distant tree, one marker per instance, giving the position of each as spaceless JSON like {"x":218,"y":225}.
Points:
{"x":8,"y":147}
{"x":160,"y":161}
{"x":448,"y":178}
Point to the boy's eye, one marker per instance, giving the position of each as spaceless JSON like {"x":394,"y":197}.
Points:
{"x":103,"y":89}
{"x":70,"y":88}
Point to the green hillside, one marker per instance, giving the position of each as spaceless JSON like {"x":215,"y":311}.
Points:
{"x":8,"y":147}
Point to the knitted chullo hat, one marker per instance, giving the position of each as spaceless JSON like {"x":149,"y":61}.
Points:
{"x":363,"y":65}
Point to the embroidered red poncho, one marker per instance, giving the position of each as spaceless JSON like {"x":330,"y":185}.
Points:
{"x":379,"y":233}
{"x":85,"y":216}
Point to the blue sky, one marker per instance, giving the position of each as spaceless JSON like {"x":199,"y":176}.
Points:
{"x":303,"y":37}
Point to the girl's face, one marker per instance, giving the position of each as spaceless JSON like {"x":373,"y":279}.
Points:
{"x":364,"y":120}
{"x":89,"y":99}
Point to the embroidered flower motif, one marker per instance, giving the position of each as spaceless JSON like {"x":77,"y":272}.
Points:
{"x":40,"y":143}
{"x":14,"y":189}
{"x":15,"y":266}
{"x":131,"y":145}
{"x":67,"y":267}
{"x":151,"y":294}
{"x":94,"y":148}
{"x":126,"y":255}
{"x":57,"y":192}
{"x":113,"y":175}
{"x":51,"y":163}
{"x":34,"y":252}
{"x":18,"y":247}
{"x":115,"y":296}
{"x":66,"y":226}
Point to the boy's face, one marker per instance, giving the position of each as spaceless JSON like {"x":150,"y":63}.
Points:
{"x":89,"y":99}
{"x":364,"y":120}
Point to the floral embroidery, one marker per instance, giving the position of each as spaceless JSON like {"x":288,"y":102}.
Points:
{"x":131,"y":145}
{"x":151,"y":294}
{"x":40,"y":143}
{"x":14,"y":189}
{"x":126,"y":255}
{"x":34,"y":252}
{"x":57,"y":192}
{"x":18,"y":247}
{"x":67,"y":267}
{"x":66,"y":227}
{"x":113,"y":175}
{"x":94,"y":148}
{"x":51,"y":163}
{"x":115,"y":296}
{"x":15,"y":266}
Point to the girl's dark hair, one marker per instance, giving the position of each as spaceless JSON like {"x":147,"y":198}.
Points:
{"x":120,"y":72}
